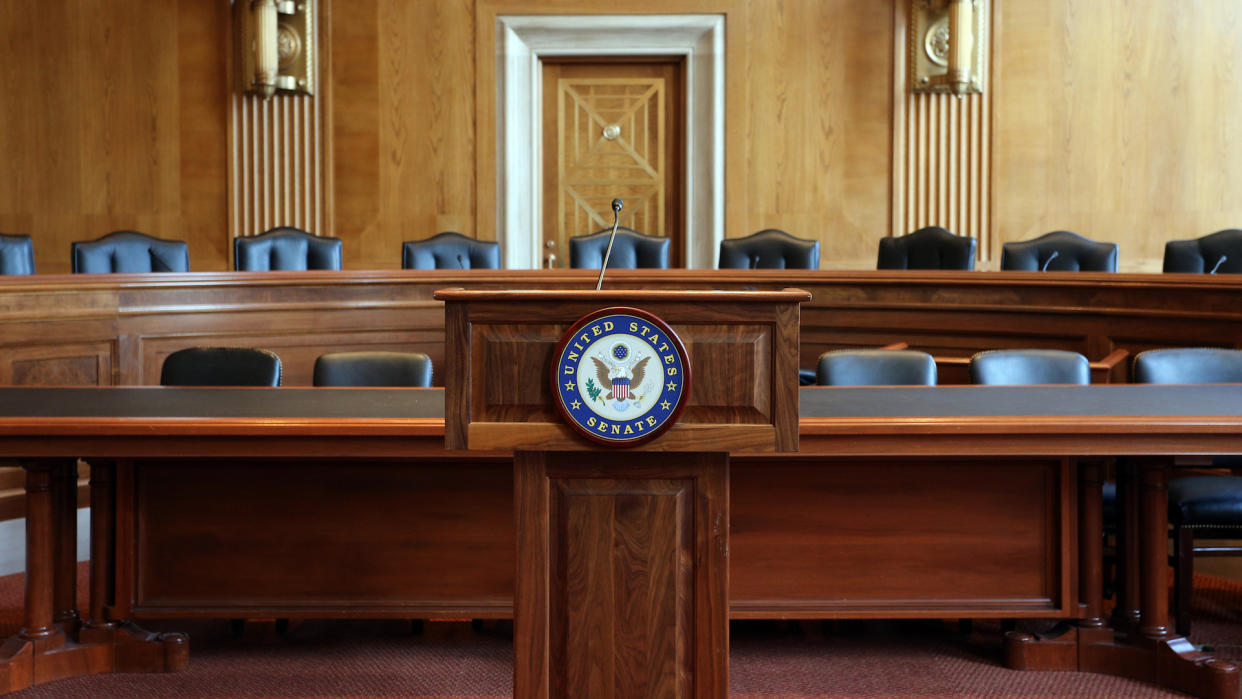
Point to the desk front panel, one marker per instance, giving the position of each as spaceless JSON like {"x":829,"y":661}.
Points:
{"x":320,"y":539}
{"x":435,"y":538}
{"x":884,"y":538}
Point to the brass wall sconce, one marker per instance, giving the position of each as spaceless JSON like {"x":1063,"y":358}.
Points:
{"x":275,"y":42}
{"x":948,"y":40}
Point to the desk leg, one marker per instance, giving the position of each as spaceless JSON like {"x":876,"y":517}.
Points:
{"x":1141,"y":645}
{"x":133,"y":649}
{"x":65,"y":538}
{"x":1126,"y":613}
{"x":1178,"y":665}
{"x":43,"y":651}
{"x":103,"y":549}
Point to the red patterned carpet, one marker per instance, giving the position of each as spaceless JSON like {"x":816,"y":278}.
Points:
{"x":768,"y":659}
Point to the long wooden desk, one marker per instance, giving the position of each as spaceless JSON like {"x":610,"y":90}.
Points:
{"x":903,"y":502}
{"x":116,"y":329}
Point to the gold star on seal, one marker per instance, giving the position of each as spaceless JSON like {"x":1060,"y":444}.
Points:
{"x":671,"y":386}
{"x":665,"y":405}
{"x":569,"y":385}
{"x":575,"y":405}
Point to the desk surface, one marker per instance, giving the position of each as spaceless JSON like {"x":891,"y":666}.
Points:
{"x":889,"y":402}
{"x":1106,"y":420}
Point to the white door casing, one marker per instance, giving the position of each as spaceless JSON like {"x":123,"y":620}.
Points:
{"x":525,"y":39}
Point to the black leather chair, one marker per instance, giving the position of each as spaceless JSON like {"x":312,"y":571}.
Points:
{"x":129,"y":252}
{"x":450,"y":251}
{"x":1219,"y":252}
{"x":1200,"y":506}
{"x":373,"y":368}
{"x":931,"y":247}
{"x":631,"y":250}
{"x":1059,"y":251}
{"x":1026,"y":367}
{"x":16,"y":254}
{"x":769,"y":249}
{"x":285,"y":248}
{"x":221,"y":366}
{"x":879,"y":367}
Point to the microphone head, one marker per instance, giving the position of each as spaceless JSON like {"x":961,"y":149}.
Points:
{"x":617,"y":204}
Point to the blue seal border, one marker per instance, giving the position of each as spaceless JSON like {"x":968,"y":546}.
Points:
{"x":576,"y":418}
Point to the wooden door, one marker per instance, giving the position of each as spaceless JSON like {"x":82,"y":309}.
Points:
{"x":612,"y":128}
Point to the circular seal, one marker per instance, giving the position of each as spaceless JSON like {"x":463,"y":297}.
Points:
{"x":620,"y":376}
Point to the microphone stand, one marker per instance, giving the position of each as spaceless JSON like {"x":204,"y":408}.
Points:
{"x":616,"y":220}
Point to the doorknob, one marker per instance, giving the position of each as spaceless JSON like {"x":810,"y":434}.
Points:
{"x":549,"y":262}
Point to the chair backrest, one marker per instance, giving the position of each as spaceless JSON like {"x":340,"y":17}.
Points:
{"x":450,"y":250}
{"x":1025,"y":367}
{"x":770,"y":248}
{"x":1188,"y":365}
{"x":221,"y":366}
{"x":878,"y":367}
{"x":932,"y":247}
{"x":1059,"y":251}
{"x":16,"y":254}
{"x":373,"y":369}
{"x":285,"y":248}
{"x":129,"y":252}
{"x":1219,"y":252}
{"x":631,"y":250}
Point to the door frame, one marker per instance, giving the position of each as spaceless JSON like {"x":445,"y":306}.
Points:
{"x":523,"y":41}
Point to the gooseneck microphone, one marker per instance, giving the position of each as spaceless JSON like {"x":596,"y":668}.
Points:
{"x":616,"y":220}
{"x":1216,"y":266}
{"x":1048,"y":261}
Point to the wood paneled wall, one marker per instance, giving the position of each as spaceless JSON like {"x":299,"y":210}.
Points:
{"x":817,"y":108}
{"x":403,"y":98}
{"x":1118,"y":121}
{"x":114,"y":116}
{"x":1113,"y":121}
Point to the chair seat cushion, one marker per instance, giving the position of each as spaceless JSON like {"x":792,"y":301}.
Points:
{"x":1212,"y":504}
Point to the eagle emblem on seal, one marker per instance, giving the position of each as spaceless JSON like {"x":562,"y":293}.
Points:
{"x":618,"y":372}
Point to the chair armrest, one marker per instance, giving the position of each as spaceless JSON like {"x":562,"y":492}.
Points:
{"x":1110,"y":369}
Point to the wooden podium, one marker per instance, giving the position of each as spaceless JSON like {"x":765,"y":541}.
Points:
{"x":622,"y":552}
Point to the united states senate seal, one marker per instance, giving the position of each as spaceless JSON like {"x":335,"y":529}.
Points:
{"x":621,"y":376}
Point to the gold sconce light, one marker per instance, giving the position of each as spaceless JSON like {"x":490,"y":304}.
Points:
{"x":948,"y":39}
{"x":275,"y":46}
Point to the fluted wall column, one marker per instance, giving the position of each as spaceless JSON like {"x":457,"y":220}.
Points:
{"x":941,"y":149}
{"x":279,"y":159}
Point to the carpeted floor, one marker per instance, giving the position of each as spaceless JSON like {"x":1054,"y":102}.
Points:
{"x":768,"y":659}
